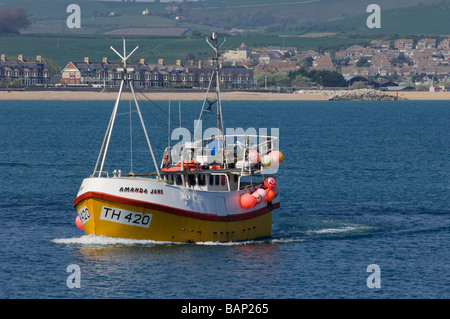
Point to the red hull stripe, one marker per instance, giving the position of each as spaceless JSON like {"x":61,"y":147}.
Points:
{"x":176,"y":211}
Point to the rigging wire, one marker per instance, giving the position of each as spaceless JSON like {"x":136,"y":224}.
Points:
{"x":131,"y":142}
{"x":155,"y":104}
{"x":171,"y":117}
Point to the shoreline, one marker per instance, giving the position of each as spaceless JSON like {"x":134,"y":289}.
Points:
{"x":52,"y":95}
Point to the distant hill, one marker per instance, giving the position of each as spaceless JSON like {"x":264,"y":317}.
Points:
{"x":175,"y":30}
{"x":248,"y":17}
{"x":420,"y":19}
{"x":63,"y":48}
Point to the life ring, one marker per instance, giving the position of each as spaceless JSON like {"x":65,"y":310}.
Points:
{"x":171,"y":169}
{"x":188,"y":165}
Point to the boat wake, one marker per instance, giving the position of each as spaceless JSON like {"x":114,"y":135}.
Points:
{"x":337,"y":230}
{"x":322,"y":232}
{"x":92,"y":240}
{"x":271,"y":240}
{"x":276,"y":238}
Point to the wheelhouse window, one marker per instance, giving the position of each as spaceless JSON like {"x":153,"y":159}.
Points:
{"x":201,"y":179}
{"x":192,"y":180}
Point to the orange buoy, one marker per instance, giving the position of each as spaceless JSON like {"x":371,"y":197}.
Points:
{"x":270,"y":195}
{"x":248,"y":201}
{"x":270,"y":182}
{"x":78,"y":222}
{"x":277,"y":157}
{"x":275,"y":192}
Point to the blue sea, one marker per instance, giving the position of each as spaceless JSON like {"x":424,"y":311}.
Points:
{"x":365,"y":204}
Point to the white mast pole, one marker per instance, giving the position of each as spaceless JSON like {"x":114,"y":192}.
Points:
{"x":110,"y":128}
{"x":103,"y":143}
{"x":145,"y":130}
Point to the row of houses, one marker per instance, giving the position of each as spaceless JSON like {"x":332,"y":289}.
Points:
{"x":428,"y":59}
{"x":429,"y":56}
{"x":405,"y":44}
{"x":23,"y":72}
{"x":406,"y":71}
{"x":357,"y":51}
{"x":147,"y":75}
{"x":26,"y":72}
{"x":401,"y":44}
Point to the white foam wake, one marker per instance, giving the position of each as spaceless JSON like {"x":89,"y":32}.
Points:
{"x":105,"y":241}
{"x":250,"y":242}
{"x":92,"y":240}
{"x":343,"y":229}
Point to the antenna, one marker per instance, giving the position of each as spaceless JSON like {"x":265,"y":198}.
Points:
{"x":124,"y":57}
{"x":213,"y":43}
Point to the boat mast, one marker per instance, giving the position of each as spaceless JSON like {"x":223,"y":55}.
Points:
{"x":107,"y":138}
{"x":213,"y":43}
{"x":215,"y":46}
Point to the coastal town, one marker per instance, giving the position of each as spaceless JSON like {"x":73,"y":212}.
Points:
{"x":402,"y":64}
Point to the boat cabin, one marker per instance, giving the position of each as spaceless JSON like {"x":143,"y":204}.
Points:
{"x":223,"y":168}
{"x":212,"y":180}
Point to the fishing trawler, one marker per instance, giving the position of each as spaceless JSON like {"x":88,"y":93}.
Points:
{"x":219,"y":188}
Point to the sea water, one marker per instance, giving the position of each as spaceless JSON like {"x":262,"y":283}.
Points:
{"x":362,"y":183}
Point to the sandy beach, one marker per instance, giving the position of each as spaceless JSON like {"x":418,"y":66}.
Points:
{"x":428,"y":96}
{"x":192,"y":96}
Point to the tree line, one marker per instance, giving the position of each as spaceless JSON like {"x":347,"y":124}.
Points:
{"x":301,"y":78}
{"x":12,"y":20}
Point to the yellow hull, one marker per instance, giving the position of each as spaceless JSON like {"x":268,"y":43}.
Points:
{"x":113,"y":219}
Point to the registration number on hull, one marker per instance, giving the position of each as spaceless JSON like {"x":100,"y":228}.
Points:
{"x":84,"y":214}
{"x":126,"y":217}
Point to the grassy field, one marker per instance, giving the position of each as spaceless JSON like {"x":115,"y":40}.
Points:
{"x":418,"y":20}
{"x":249,"y":16}
{"x":64,"y":48}
{"x":265,"y":20}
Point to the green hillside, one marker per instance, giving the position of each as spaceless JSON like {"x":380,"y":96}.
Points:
{"x":419,"y":20}
{"x":249,"y":17}
{"x":63,"y":48}
{"x":259,"y":23}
